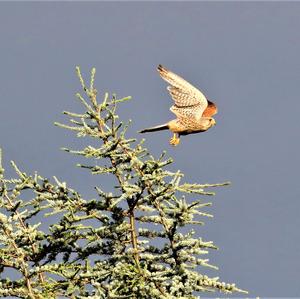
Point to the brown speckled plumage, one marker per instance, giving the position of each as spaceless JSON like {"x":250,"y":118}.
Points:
{"x":193,"y":111}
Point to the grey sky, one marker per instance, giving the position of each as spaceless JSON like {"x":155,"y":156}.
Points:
{"x":243,"y":56}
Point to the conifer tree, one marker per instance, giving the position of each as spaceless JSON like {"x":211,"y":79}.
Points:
{"x":135,"y":241}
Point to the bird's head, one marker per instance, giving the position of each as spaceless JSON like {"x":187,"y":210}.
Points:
{"x":212,"y":122}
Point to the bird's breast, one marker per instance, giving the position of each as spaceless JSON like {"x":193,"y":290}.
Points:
{"x":187,"y":126}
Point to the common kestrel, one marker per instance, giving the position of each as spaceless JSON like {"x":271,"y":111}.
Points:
{"x":193,"y":111}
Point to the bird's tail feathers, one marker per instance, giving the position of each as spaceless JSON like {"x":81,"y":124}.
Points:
{"x":156,"y":128}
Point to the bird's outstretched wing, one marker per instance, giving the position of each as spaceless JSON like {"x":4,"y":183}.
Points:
{"x":189,"y":101}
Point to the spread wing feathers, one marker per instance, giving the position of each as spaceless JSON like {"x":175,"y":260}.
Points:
{"x":187,"y":116}
{"x":183,"y":93}
{"x":181,"y":98}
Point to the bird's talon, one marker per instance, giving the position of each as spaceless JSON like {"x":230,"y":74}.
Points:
{"x":174,"y":140}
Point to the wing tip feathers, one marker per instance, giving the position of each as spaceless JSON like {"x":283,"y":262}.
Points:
{"x":161,"y":68}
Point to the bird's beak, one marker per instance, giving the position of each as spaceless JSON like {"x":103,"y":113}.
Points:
{"x":214,"y":123}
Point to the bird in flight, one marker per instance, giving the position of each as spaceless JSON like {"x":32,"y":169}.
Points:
{"x":193,"y":111}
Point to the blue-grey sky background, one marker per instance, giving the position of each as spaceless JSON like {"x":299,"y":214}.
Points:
{"x":243,"y":55}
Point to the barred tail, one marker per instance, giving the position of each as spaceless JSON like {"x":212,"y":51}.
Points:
{"x":156,"y":128}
